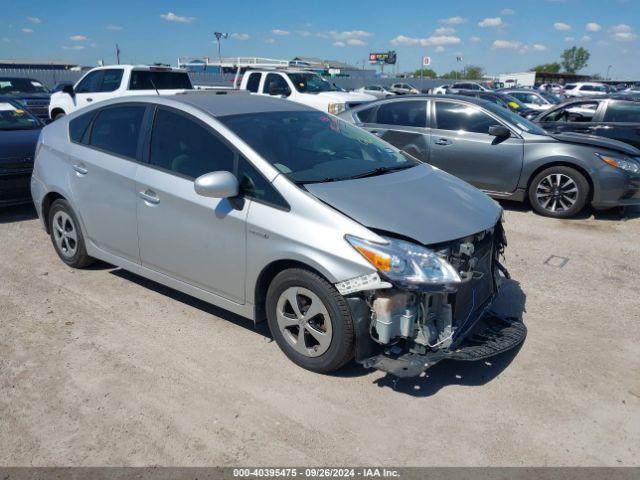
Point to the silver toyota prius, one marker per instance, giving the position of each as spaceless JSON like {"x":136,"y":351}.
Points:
{"x":349,"y":247}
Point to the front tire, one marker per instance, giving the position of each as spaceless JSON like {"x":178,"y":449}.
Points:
{"x":310,"y":321}
{"x":559,"y":192}
{"x":66,"y":235}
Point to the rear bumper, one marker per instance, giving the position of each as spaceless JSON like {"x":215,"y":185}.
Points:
{"x":491,"y":336}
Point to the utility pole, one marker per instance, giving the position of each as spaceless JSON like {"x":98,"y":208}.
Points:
{"x":607,"y":75}
{"x":219,"y":36}
{"x":117,"y":54}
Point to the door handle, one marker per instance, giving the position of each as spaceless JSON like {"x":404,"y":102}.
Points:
{"x":80,"y":169}
{"x":442,"y":141}
{"x":89,"y":99}
{"x":150,"y":196}
{"x":377,"y":133}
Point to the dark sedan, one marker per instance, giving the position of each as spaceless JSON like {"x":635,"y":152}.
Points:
{"x":505,"y":155}
{"x":19,"y":131}
{"x":616,"y":117}
{"x":29,"y":92}
{"x":504,"y":100}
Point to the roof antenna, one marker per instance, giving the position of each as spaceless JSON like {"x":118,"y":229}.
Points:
{"x":153,"y":84}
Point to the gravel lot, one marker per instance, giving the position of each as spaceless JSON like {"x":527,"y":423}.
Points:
{"x":101,"y":367}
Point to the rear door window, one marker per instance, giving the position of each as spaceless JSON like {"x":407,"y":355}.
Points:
{"x":623,"y":112}
{"x":116,"y":130}
{"x":407,"y":114}
{"x":111,"y":80}
{"x":462,"y":117}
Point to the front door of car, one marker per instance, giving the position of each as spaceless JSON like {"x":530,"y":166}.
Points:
{"x":575,"y":117}
{"x":103,"y":162}
{"x":462,"y":146}
{"x":193,"y":239}
{"x":403,"y":124}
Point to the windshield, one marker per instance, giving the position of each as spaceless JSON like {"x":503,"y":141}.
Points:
{"x":550,"y":97}
{"x":514,"y":119}
{"x":310,"y":83}
{"x":513,"y":102}
{"x":21,"y":85}
{"x":12,"y":117}
{"x":311,"y":147}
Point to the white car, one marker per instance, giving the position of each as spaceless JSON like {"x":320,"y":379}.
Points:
{"x":474,"y":86}
{"x":404,"y":89}
{"x":585,"y":89}
{"x":377,"y":91}
{"x":440,"y":90}
{"x":554,"y":88}
{"x":301,"y":86}
{"x":103,"y":83}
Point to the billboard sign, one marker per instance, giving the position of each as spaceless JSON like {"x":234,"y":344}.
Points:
{"x":383,"y":58}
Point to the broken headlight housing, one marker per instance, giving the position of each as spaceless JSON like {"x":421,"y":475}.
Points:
{"x":408,"y":265}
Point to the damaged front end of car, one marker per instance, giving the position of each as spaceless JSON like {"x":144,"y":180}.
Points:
{"x":427,"y":304}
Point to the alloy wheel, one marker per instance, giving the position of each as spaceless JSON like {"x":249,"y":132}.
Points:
{"x":304,"y":321}
{"x":557,"y":192}
{"x":64,"y":234}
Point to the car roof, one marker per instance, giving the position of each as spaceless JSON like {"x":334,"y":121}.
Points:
{"x":219,"y":103}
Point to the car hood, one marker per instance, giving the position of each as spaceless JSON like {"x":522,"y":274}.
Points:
{"x":595,"y":141}
{"x":344,"y":97}
{"x":18,"y":144}
{"x":21,"y":96}
{"x":421,"y":203}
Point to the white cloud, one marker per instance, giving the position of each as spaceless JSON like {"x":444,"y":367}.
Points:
{"x":27,"y":30}
{"x":356,"y":42}
{"x":172,"y":17}
{"x":73,"y":47}
{"x":453,"y":21}
{"x":240,"y":36}
{"x":506,"y":44}
{"x":538,"y":47}
{"x":350,"y":34}
{"x":304,"y":33}
{"x":623,"y":33}
{"x":113,"y":28}
{"x":426,"y":42}
{"x":491,"y":22}
{"x":569,"y":39}
{"x":34,"y":20}
{"x":279,"y":32}
{"x":439,"y":49}
{"x":507,"y":11}
{"x":593,"y":27}
{"x":77,"y":38}
{"x":270,"y":41}
{"x":444,"y":31}
{"x":621,"y":28}
{"x":586,"y":38}
{"x":339,"y":44}
{"x":561,"y":26}
{"x":5,"y":39}
{"x":475,"y":39}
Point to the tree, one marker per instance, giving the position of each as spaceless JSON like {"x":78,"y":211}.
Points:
{"x":473,"y":72}
{"x":547,"y":68}
{"x":426,"y":73}
{"x":575,"y":59}
{"x":455,"y":74}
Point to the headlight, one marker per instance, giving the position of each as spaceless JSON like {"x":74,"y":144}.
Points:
{"x":408,"y":265}
{"x":336,"y":108}
{"x":622,"y":163}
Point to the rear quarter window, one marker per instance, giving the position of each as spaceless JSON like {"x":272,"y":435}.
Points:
{"x":150,"y":80}
{"x":624,"y":112}
{"x":79,"y":126}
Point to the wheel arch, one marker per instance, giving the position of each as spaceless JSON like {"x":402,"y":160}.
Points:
{"x":47,"y":201}
{"x":563,"y":163}
{"x":266,"y":276}
{"x":55,"y":112}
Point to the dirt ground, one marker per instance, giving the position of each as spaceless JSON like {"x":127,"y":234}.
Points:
{"x":101,"y":367}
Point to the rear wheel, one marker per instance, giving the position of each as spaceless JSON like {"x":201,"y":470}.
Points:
{"x":310,"y":320}
{"x":66,"y":235}
{"x":559,"y":192}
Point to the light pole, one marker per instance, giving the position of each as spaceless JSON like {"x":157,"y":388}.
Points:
{"x":219,"y":36}
{"x":607,"y":76}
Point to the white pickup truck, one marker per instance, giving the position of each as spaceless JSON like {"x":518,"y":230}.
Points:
{"x":304,"y":87}
{"x":103,"y":83}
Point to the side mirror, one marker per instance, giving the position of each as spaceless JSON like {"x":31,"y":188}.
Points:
{"x":499,"y":131}
{"x":217,"y":185}
{"x":68,"y":89}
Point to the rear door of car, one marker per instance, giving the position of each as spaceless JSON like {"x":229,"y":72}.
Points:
{"x":619,"y":120}
{"x":462,"y":146}
{"x":576,"y":117}
{"x":402,"y":123}
{"x":105,"y":152}
{"x":196,"y":240}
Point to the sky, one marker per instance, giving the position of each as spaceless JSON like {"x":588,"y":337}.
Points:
{"x":500,"y":36}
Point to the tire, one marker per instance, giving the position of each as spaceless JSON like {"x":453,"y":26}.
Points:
{"x":564,"y":202}
{"x":58,"y":115}
{"x":66,"y":235}
{"x":328,"y":336}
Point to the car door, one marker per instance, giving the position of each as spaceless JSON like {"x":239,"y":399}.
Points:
{"x":619,"y":120}
{"x":104,"y":155}
{"x":574,"y":117}
{"x":193,"y":239}
{"x":402,"y":123}
{"x":462,"y":146}
{"x":97,"y":86}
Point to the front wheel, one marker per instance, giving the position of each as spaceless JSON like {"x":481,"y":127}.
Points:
{"x":310,"y":321}
{"x":559,"y":192}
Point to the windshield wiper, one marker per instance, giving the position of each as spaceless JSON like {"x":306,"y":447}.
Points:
{"x":324,"y":180}
{"x":379,"y":171}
